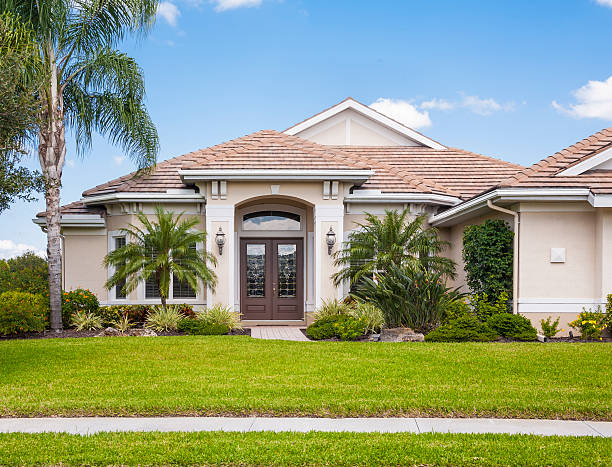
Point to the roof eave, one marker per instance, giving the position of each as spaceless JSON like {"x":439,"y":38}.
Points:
{"x":356,"y":176}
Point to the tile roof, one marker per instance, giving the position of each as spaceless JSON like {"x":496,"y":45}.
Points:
{"x":78,"y":207}
{"x":269,"y":149}
{"x":543,"y":173}
{"x":463,"y":172}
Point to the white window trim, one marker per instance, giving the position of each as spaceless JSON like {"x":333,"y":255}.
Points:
{"x":112,"y":293}
{"x":272,"y":233}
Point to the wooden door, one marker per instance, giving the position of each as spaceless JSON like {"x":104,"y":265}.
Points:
{"x":272,"y":279}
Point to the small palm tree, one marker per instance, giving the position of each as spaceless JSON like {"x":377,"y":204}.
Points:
{"x":392,"y":240}
{"x":160,"y":249}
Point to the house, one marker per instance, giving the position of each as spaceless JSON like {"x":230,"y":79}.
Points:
{"x":281,"y":202}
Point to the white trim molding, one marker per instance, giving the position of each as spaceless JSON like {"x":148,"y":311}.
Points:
{"x":369,"y":113}
{"x":588,"y":164}
{"x":478,"y":205}
{"x":356,"y":176}
{"x":557,"y":305}
{"x":75,"y":220}
{"x":122,"y":197}
{"x":375,"y":196}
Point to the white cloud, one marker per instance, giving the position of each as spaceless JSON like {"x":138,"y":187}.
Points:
{"x":594,"y":100}
{"x":119,"y":159}
{"x":481,"y":106}
{"x":403,"y":111}
{"x":168,"y":11}
{"x":70,"y":162}
{"x":10,"y":249}
{"x":607,"y":3}
{"x":223,"y":5}
{"x":439,"y":104}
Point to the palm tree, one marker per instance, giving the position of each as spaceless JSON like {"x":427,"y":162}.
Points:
{"x":392,"y":240}
{"x":159,"y":250}
{"x":87,"y":86}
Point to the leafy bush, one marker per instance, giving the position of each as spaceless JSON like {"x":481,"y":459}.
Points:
{"x":371,"y":316}
{"x":162,"y":319}
{"x":512,"y":326}
{"x":202,"y":328}
{"x":219,"y":314}
{"x":408,"y":297}
{"x":550,"y":328}
{"x":590,"y":323}
{"x":22,"y":312}
{"x":488,"y":257}
{"x":25,"y":273}
{"x":350,"y":329}
{"x":484,"y":307}
{"x":464,"y":328}
{"x":123,"y":324}
{"x":332,"y":308}
{"x":325,"y":328}
{"x":85,"y":320}
{"x":78,"y":300}
{"x":135,"y":313}
{"x":456,"y":309}
{"x":187,"y":310}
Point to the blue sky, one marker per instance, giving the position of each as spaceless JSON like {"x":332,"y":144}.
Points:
{"x":516,"y":80}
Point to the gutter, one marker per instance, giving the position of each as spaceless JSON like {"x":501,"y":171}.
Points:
{"x":515,"y":255}
{"x":357,"y":197}
{"x":356,"y":176}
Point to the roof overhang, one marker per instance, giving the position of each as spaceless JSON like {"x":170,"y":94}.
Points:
{"x":376,"y":197}
{"x":356,"y":176}
{"x":172,"y":196}
{"x":369,"y":113}
{"x":75,"y":220}
{"x":591,"y":163}
{"x":478,"y":206}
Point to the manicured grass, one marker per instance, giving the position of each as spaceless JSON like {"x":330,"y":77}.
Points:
{"x":216,"y":448}
{"x":239,"y":375}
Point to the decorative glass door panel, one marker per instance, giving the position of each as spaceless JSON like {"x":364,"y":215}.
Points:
{"x":272,"y":279}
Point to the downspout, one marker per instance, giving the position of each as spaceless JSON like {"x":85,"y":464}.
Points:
{"x":515,"y":258}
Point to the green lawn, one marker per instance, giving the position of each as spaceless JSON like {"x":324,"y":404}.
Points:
{"x":215,"y":448}
{"x":240,"y":375}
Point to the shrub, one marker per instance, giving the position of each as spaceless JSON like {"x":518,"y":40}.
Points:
{"x":488,"y":256}
{"x":464,"y":328}
{"x":325,"y":328}
{"x":78,"y":300}
{"x":22,"y":312}
{"x":350,"y":329}
{"x":512,"y":326}
{"x":550,"y":328}
{"x":85,"y":320}
{"x":484,"y":307}
{"x":187,"y":310}
{"x":202,"y":328}
{"x":162,"y":319}
{"x":123,"y":324}
{"x":456,"y":309}
{"x":25,"y":273}
{"x":408,"y":297}
{"x":332,"y":308}
{"x":219,"y":314}
{"x":135,"y":313}
{"x":369,"y":314}
{"x":590,"y":323}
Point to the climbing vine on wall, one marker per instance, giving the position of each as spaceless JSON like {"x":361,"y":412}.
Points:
{"x":488,"y":256}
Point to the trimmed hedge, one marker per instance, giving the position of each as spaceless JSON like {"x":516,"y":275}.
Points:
{"x":22,"y":312}
{"x":461,"y":329}
{"x":512,"y":327}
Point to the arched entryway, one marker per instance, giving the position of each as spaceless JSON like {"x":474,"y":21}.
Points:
{"x":272,"y":259}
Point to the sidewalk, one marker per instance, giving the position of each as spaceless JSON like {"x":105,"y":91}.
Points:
{"x":90,"y":425}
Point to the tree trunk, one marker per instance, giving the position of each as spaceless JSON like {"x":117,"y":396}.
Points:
{"x":51,"y":153}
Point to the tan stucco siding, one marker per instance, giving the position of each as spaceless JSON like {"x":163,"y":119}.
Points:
{"x":83,"y":256}
{"x":541,"y":231}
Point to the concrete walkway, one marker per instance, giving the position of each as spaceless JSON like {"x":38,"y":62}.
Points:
{"x":83,"y":426}
{"x":284,"y":333}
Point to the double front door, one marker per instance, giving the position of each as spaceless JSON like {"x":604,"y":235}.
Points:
{"x":271,"y":279}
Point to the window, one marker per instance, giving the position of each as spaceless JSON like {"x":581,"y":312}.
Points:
{"x":152,"y":284}
{"x":182,"y":289}
{"x":271,"y":220}
{"x":119,"y":294}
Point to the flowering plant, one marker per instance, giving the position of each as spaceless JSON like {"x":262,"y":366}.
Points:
{"x":22,"y":312}
{"x":590,"y":323}
{"x":78,"y":300}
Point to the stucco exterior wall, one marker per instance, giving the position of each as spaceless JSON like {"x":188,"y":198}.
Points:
{"x":84,"y":250}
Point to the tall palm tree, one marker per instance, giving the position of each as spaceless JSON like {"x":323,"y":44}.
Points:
{"x":159,"y":250}
{"x":87,"y":86}
{"x":392,"y":240}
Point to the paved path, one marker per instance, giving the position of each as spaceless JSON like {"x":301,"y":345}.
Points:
{"x":384,"y":425}
{"x":285,"y":333}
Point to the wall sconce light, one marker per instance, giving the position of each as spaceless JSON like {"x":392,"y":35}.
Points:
{"x":331,"y":240}
{"x":220,"y":240}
